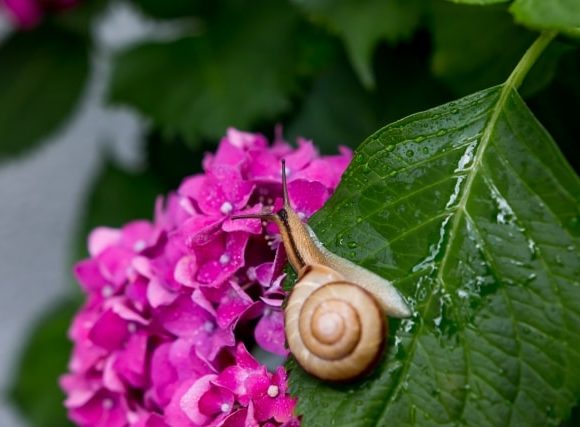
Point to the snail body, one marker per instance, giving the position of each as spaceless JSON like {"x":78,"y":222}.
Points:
{"x":336,"y":314}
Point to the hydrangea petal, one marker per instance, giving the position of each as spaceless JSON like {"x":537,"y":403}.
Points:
{"x":109,"y":331}
{"x":232,"y":305}
{"x":169,"y":302}
{"x":269,"y":332}
{"x":307,"y":196}
{"x":88,"y":274}
{"x":101,"y":238}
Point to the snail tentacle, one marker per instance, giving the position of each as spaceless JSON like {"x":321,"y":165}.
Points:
{"x":335,"y":317}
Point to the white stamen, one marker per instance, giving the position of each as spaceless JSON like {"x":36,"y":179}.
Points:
{"x":107,"y":403}
{"x":139,"y":245}
{"x":273,"y":391}
{"x":132,"y":417}
{"x":208,"y":326}
{"x":226,"y":208}
{"x":225,"y":407}
{"x":224,"y":259}
{"x":107,"y":291}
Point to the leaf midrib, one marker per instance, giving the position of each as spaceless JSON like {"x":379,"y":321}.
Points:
{"x":472,"y":172}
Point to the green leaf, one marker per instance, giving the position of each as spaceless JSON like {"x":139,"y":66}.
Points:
{"x":34,"y":390}
{"x":240,"y":72}
{"x":542,"y":14}
{"x":465,"y":59}
{"x":474,"y":214}
{"x":42,"y":74}
{"x":116,"y":197}
{"x":362,"y":25}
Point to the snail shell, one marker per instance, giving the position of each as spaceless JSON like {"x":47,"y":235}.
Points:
{"x":336,"y":315}
{"x":335,"y":329}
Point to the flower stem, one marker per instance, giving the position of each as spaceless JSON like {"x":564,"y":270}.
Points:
{"x":529,"y":59}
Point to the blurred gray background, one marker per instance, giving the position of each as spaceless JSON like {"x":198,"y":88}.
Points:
{"x":42,"y":193}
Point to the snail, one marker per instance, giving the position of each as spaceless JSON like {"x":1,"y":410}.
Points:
{"x":336,"y":315}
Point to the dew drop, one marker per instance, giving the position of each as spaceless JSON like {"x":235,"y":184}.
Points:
{"x":107,"y":291}
{"x":139,"y":245}
{"x":208,"y":326}
{"x":410,"y":153}
{"x":531,"y":277}
{"x":462,"y":293}
{"x":107,"y":403}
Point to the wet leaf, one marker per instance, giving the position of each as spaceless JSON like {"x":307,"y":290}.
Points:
{"x":42,"y":74}
{"x":474,"y":214}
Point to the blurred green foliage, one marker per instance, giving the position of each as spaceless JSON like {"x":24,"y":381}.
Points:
{"x":43,"y":359}
{"x":116,"y":197}
{"x":331,"y":70}
{"x":40,"y":82}
{"x":235,"y":73}
{"x":362,"y":25}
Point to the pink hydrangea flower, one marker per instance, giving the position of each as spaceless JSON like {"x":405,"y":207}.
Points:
{"x":29,"y":13}
{"x":174,"y":305}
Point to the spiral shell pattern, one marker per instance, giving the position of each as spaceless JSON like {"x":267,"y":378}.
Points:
{"x":335,"y":329}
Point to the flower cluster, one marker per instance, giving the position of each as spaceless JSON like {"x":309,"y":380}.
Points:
{"x":174,"y":305}
{"x":28,"y":13}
